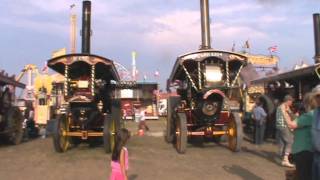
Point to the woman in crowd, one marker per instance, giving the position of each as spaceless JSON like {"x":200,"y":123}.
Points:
{"x":315,"y":132}
{"x":284,"y":132}
{"x":302,"y":143}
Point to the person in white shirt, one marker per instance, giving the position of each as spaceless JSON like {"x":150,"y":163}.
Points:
{"x":142,"y":121}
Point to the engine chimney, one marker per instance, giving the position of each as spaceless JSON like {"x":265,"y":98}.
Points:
{"x":316,"y":27}
{"x":86,"y":26}
{"x":205,"y":24}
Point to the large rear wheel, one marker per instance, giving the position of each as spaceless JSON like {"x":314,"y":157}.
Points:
{"x":181,"y":133}
{"x":60,"y":139}
{"x":234,"y":132}
{"x":172,"y":103}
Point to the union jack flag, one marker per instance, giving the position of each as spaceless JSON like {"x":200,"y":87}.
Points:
{"x":273,"y":48}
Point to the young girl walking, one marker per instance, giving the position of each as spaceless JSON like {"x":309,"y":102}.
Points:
{"x":120,"y":161}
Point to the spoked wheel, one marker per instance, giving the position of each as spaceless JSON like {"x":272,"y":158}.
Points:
{"x":60,"y":139}
{"x":15,"y":119}
{"x":111,"y":126}
{"x":181,"y":133}
{"x":234,"y":132}
{"x":109,"y":134}
{"x":171,"y":104}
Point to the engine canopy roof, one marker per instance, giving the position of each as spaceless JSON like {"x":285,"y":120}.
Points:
{"x":201,"y":55}
{"x":81,"y":63}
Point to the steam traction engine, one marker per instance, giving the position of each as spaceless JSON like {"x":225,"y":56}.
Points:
{"x":90,"y":112}
{"x":208,"y":84}
{"x":11,"y":118}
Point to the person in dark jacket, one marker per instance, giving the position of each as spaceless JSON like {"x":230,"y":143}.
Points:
{"x":259,"y":115}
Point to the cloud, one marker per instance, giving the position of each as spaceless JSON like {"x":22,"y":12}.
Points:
{"x":178,"y":27}
{"x":271,"y":19}
{"x":227,"y":31}
{"x":274,"y":2}
{"x":37,"y":26}
{"x":182,"y":29}
{"x":227,"y":9}
{"x":162,"y":29}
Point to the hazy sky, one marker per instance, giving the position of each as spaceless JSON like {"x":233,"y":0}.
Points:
{"x":159,"y":30}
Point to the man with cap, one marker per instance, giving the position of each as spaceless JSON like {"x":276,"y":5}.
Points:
{"x":285,"y":134}
{"x":315,"y":133}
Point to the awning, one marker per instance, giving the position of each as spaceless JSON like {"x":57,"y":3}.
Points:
{"x":294,"y":74}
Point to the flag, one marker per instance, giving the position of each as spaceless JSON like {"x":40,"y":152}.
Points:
{"x":45,"y":68}
{"x":233,"y":49}
{"x":72,"y":6}
{"x":247,"y":45}
{"x":145,"y":77}
{"x":273,"y":49}
{"x":175,"y":83}
{"x":156,"y":92}
{"x":134,"y":54}
{"x":156,"y":73}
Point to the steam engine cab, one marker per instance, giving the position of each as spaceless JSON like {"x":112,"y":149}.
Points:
{"x":89,"y":110}
{"x":208,"y":83}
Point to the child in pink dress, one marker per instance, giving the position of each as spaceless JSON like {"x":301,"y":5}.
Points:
{"x":120,"y":158}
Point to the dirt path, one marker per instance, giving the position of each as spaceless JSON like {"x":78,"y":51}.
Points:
{"x":150,"y":159}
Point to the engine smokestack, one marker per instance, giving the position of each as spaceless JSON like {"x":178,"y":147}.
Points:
{"x":86,"y":26}
{"x":205,"y":24}
{"x":316,"y":28}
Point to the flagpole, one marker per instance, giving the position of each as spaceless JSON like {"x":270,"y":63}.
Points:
{"x":134,"y":54}
{"x":73,"y":29}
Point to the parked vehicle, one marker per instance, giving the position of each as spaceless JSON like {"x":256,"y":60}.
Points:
{"x":209,"y":87}
{"x":90,"y":113}
{"x":11,"y":119}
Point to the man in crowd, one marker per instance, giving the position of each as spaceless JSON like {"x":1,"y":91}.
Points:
{"x":259,"y":116}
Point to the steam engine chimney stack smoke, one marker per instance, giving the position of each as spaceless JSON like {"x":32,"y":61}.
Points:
{"x":316,"y":27}
{"x":86,"y":26}
{"x":205,"y":24}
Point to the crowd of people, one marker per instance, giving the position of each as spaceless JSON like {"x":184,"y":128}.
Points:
{"x":298,"y":133}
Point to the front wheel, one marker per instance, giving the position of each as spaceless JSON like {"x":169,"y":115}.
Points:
{"x":234,"y":132}
{"x":172,"y":103}
{"x":111,"y":126}
{"x":181,"y":133}
{"x":60,"y":139}
{"x":109,"y":134}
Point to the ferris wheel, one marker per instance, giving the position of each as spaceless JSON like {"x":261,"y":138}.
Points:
{"x":124,"y":73}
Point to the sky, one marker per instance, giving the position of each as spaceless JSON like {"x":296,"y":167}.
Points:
{"x":158,"y":30}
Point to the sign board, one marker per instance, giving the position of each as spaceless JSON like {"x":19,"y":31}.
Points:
{"x":126,"y":93}
{"x":223,"y":55}
{"x":262,"y":60}
{"x":59,"y":52}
